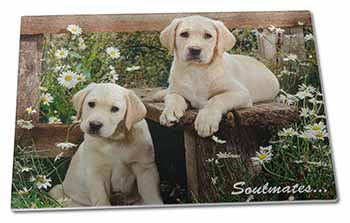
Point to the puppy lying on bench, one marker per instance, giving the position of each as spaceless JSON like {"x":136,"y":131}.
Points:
{"x":205,"y":75}
{"x":116,"y":154}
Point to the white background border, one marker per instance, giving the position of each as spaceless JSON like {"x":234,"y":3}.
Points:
{"x":332,"y":29}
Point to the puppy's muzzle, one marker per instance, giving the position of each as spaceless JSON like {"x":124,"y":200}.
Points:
{"x":194,"y":53}
{"x":95,"y":126}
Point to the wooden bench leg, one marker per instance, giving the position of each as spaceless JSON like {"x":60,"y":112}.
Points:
{"x":191,"y":163}
{"x":203,"y":164}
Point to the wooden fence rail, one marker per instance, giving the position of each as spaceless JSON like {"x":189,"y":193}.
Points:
{"x":33,"y":25}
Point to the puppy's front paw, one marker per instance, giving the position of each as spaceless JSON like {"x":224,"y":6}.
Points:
{"x":207,"y":122}
{"x":171,"y":116}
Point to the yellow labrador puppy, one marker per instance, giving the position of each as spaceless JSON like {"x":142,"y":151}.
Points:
{"x":208,"y":77}
{"x":116,"y":154}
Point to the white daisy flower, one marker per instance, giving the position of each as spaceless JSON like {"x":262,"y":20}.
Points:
{"x":308,"y":37}
{"x":43,"y":182}
{"x":319,"y":93}
{"x":250,"y":198}
{"x":81,"y":77}
{"x":303,"y":94}
{"x":307,"y":88}
{"x":321,"y":135}
{"x":24,"y":124}
{"x":214,"y":180}
{"x":226,"y":155}
{"x":68,"y":79}
{"x":46,"y":98}
{"x":113,"y":52}
{"x":210,"y":160}
{"x":74,"y":29}
{"x":43,"y":89}
{"x":287,"y":132}
{"x":301,"y":23}
{"x":304,"y":64}
{"x":74,"y":119}
{"x":298,"y":161}
{"x":54,"y":120}
{"x":266,"y":149}
{"x":61,"y":53}
{"x":306,"y":112}
{"x":57,"y":69}
{"x":290,"y":57}
{"x":132,"y":68}
{"x":285,"y":72}
{"x":30,"y":110}
{"x":58,"y":157}
{"x":82,"y":46}
{"x":26,"y":169}
{"x":217,"y":140}
{"x":24,"y":191}
{"x":316,"y":126}
{"x":287,"y":99}
{"x":65,"y":145}
{"x":315,"y":131}
{"x":115,"y":77}
{"x":262,"y":156}
{"x":276,"y":30}
{"x":257,"y":33}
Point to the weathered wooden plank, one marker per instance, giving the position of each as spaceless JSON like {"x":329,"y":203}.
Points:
{"x":191,"y":164}
{"x":156,"y":22}
{"x":290,"y":42}
{"x":262,"y":114}
{"x":46,"y":137}
{"x":30,"y":53}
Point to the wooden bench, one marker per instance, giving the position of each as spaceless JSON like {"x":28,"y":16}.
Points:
{"x":244,"y":130}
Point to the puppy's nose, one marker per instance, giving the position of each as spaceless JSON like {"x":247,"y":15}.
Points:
{"x":95,"y":125}
{"x":195,"y":51}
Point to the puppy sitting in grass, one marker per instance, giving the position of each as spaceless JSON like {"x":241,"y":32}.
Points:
{"x":116,"y":155}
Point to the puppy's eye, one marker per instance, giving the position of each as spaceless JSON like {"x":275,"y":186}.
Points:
{"x":184,"y":34}
{"x":91,"y":104}
{"x":114,"y":109}
{"x":207,"y":36}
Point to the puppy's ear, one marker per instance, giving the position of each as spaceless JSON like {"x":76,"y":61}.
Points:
{"x":135,"y":110}
{"x":79,"y":98}
{"x":225,"y":40}
{"x":168,"y":36}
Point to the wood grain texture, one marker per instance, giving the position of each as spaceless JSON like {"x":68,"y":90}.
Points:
{"x":191,"y":164}
{"x":242,"y":141}
{"x":156,"y":22}
{"x":46,"y":137}
{"x":30,"y":52}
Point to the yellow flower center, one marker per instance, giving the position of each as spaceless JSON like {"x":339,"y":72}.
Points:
{"x":319,"y":135}
{"x":62,"y":53}
{"x":262,"y":156}
{"x":68,"y":78}
{"x":113,"y":53}
{"x":74,"y":29}
{"x":44,"y":99}
{"x":316,"y":128}
{"x":40,"y":179}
